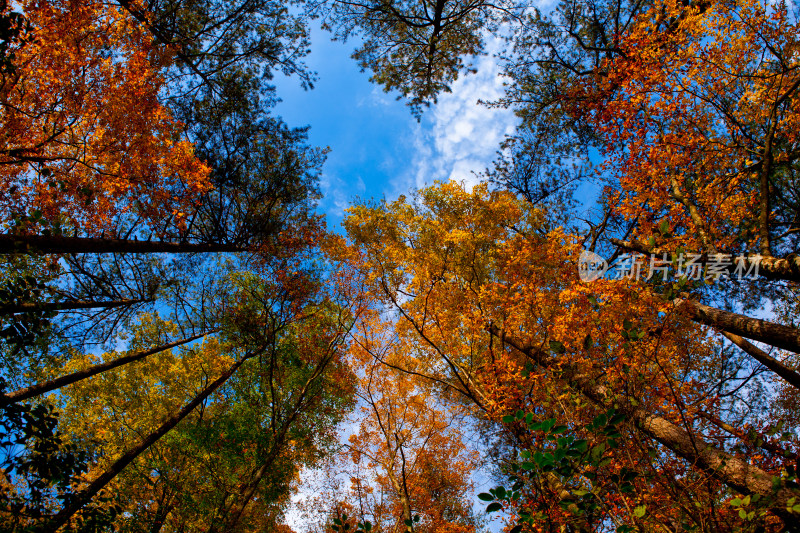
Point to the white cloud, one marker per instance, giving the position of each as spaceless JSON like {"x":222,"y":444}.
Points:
{"x":459,"y":137}
{"x":335,"y":193}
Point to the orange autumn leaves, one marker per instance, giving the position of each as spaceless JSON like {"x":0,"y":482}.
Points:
{"x":409,"y":458}
{"x":85,"y":139}
{"x":452,"y":264}
{"x":456,"y":262}
{"x":699,"y":117}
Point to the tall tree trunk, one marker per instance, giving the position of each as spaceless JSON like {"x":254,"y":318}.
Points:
{"x":7,"y":309}
{"x":767,"y":161}
{"x":233,"y":514}
{"x":770,"y":333}
{"x":791,"y":376}
{"x":731,"y":470}
{"x":31,"y":244}
{"x":53,"y":384}
{"x":84,"y":496}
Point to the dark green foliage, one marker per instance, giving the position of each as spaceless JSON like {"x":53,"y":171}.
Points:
{"x":39,"y":470}
{"x":575,"y":463}
{"x":13,"y":33}
{"x":417,"y":48}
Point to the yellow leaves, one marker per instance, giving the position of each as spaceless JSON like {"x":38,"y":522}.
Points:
{"x":521,"y":280}
{"x":407,"y":444}
{"x":141,"y":394}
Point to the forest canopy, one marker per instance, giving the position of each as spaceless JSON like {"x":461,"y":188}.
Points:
{"x":599,"y":335}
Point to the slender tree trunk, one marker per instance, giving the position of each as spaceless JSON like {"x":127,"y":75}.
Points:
{"x":731,"y":470}
{"x":770,"y":333}
{"x":694,"y":214}
{"x":53,"y":384}
{"x":7,"y":309}
{"x":161,"y":517}
{"x":405,"y":498}
{"x":83,"y":497}
{"x":764,"y":196}
{"x":402,"y":495}
{"x":791,"y":376}
{"x":235,"y":510}
{"x":30,"y":244}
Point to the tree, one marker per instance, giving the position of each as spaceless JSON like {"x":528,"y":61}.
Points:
{"x":72,"y":116}
{"x":492,"y":303}
{"x":153,"y":184}
{"x":226,"y":53}
{"x":550,"y":152}
{"x":257,"y":198}
{"x":643,"y":85}
{"x":418,"y":47}
{"x":131,"y":97}
{"x":411,"y":467}
{"x":692,"y":106}
{"x":704,"y":136}
{"x":277,"y":359}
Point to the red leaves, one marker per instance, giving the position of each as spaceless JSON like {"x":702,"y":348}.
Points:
{"x":85,"y":138}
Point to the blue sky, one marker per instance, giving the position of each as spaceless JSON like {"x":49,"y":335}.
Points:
{"x":378,"y":149}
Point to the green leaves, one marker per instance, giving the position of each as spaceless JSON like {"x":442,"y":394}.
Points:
{"x":492,"y":507}
{"x":557,"y":347}
{"x":340,"y":525}
{"x":496,"y":496}
{"x":791,"y":506}
{"x":410,"y":522}
{"x":50,"y":468}
{"x":630,"y":332}
{"x":573,"y":460}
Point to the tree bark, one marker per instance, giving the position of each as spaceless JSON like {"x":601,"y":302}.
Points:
{"x":734,"y":472}
{"x":28,"y":307}
{"x":402,"y":494}
{"x":777,"y":335}
{"x":791,"y":376}
{"x":83,"y":497}
{"x":33,"y":244}
{"x":53,"y":384}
